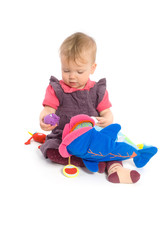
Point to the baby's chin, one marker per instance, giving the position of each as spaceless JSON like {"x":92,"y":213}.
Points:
{"x":76,"y":85}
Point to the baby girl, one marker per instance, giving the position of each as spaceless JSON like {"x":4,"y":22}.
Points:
{"x":77,"y":94}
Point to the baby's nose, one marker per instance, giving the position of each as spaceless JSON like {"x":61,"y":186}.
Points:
{"x":71,"y":75}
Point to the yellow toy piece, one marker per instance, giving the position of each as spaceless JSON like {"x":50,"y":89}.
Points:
{"x":140,"y":146}
{"x":70,"y":170}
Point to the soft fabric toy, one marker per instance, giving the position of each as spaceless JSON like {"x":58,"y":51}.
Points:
{"x":37,"y":137}
{"x":52,"y":119}
{"x":80,"y":138}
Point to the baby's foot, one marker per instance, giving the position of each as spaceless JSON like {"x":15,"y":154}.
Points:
{"x":118,"y":174}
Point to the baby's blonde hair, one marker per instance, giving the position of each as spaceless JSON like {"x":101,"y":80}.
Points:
{"x":75,"y":46}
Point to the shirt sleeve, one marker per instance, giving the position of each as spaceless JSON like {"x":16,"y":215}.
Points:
{"x":51,"y":99}
{"x":105,"y":103}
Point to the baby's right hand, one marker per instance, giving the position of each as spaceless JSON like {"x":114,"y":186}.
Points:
{"x":46,"y":127}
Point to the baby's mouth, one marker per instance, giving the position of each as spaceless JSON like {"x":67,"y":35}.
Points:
{"x":72,"y":83}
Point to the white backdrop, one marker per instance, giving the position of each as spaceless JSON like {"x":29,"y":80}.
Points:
{"x":37,"y":201}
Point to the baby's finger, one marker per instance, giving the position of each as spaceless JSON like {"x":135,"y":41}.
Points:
{"x":101,"y":124}
{"x":50,"y":127}
{"x":98,"y":118}
{"x":101,"y":120}
{"x":43,"y":125}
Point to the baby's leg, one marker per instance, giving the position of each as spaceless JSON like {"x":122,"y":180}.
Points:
{"x":118,"y":174}
{"x":102,"y":167}
{"x":54,"y":156}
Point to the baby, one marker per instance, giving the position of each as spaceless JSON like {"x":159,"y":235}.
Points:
{"x":77,"y":94}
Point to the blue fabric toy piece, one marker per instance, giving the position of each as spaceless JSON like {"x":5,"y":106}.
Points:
{"x":98,"y":146}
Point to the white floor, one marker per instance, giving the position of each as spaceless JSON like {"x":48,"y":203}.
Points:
{"x":37,"y":201}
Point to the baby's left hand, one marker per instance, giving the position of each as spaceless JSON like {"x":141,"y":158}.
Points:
{"x":102,"y":122}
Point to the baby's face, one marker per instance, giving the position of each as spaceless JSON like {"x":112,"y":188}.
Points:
{"x":76,"y":74}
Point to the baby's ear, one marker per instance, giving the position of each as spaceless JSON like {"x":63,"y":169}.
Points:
{"x":93,"y":68}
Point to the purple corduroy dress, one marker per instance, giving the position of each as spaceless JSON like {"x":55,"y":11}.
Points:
{"x":72,"y":104}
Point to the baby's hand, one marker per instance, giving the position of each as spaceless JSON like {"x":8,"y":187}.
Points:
{"x":46,"y":127}
{"x":102,"y":122}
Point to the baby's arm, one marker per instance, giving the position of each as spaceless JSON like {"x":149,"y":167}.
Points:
{"x":46,"y":110}
{"x":105,"y":119}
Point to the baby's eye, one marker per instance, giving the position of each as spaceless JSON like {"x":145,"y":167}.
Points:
{"x":66,"y":71}
{"x":80,"y":72}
